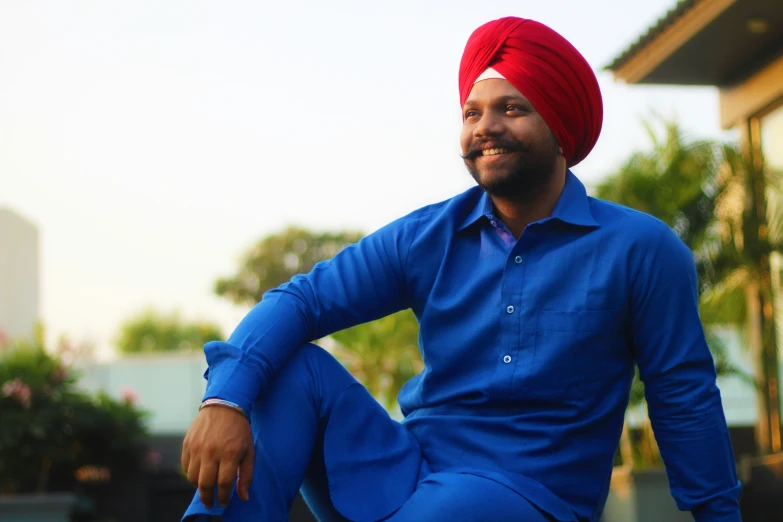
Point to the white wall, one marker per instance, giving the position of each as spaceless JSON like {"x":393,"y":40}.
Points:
{"x":19,"y":275}
{"x":169,"y":386}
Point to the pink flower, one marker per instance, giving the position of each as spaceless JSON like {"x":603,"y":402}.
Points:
{"x":24,"y":397}
{"x":18,"y":390}
{"x":130,"y":396}
{"x":10,"y":387}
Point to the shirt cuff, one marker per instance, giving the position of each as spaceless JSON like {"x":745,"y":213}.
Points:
{"x":721,"y":508}
{"x":734,"y":517}
{"x":233,"y":375}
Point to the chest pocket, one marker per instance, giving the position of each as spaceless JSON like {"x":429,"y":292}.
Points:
{"x":576,"y":349}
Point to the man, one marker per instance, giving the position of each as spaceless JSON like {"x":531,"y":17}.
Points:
{"x":534,"y":302}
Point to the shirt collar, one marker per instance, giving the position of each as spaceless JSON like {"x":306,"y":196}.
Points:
{"x":572,"y":207}
{"x":480,"y":209}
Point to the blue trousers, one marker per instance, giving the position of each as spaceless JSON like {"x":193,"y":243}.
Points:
{"x":316,"y":429}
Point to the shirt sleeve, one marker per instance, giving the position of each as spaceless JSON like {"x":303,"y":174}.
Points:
{"x":364,"y":282}
{"x":677,"y":368}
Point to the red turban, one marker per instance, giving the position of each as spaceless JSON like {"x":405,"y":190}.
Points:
{"x":547,"y":70}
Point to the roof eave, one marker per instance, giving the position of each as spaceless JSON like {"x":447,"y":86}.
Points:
{"x":662,"y":40}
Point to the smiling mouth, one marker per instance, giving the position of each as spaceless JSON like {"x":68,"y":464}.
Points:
{"x":476,"y":152}
{"x":494,"y":152}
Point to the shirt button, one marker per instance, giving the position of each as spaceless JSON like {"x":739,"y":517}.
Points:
{"x":518,"y":259}
{"x":510,"y":309}
{"x":507,"y":359}
{"x":493,"y":223}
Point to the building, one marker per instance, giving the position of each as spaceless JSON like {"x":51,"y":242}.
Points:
{"x":734,"y":45}
{"x":19,"y":275}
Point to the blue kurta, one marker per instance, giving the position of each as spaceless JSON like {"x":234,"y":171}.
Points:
{"x":529,"y":348}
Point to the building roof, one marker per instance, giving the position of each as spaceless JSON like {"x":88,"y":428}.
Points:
{"x":652,"y":32}
{"x":705,"y":42}
{"x":9,"y":216}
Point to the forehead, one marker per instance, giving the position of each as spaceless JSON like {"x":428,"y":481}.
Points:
{"x":486,"y":91}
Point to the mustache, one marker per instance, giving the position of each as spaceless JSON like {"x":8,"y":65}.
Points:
{"x":475,"y":148}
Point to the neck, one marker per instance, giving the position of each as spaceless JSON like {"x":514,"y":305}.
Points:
{"x":518,"y":214}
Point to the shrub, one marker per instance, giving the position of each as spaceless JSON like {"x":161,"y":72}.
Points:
{"x":52,"y":435}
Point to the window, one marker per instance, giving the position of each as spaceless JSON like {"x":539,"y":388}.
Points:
{"x":772,"y":139}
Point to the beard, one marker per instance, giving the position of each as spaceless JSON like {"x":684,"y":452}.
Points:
{"x":522,"y":177}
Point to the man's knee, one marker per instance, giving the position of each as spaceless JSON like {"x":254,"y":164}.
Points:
{"x":312,"y":365}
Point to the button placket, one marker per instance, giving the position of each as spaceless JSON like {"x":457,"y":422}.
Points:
{"x":508,"y":360}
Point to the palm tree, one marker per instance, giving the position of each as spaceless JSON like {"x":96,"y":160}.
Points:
{"x":748,"y":237}
{"x":702,"y":189}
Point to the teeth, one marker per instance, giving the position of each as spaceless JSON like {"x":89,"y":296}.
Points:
{"x":492,"y":152}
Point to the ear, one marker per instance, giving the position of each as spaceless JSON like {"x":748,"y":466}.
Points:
{"x":560,"y":150}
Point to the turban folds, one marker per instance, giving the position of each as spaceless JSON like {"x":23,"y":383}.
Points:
{"x":547,"y":70}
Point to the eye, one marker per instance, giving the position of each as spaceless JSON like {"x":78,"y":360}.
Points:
{"x":513,"y":108}
{"x":471,"y":114}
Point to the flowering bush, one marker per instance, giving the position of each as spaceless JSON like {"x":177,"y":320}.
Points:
{"x":51,"y":432}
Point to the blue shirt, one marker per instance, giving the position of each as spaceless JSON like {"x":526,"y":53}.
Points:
{"x":529,"y":345}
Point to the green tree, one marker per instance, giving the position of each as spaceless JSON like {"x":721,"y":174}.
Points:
{"x":742,"y":292}
{"x":153,"y":331}
{"x":277,"y":258}
{"x":705,"y":191}
{"x":677,"y":181}
{"x":381,"y":354}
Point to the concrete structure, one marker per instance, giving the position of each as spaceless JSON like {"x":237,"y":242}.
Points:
{"x":19,"y":275}
{"x":167,"y":385}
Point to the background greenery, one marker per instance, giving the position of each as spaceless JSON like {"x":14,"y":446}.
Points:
{"x":52,"y":436}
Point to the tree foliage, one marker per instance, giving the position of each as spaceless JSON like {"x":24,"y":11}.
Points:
{"x":689,"y":185}
{"x":678,"y":182}
{"x":700,"y":189}
{"x":153,"y":331}
{"x":277,"y":258}
{"x":52,"y":433}
{"x":382,"y":354}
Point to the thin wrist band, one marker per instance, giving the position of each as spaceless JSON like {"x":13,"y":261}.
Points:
{"x":221,"y":402}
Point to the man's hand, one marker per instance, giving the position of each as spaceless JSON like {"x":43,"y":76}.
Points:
{"x":218,"y":449}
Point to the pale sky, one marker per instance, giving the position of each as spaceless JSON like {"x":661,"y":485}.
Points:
{"x":154,"y":142}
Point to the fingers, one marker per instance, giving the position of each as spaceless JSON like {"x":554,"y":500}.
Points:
{"x":208,"y":474}
{"x":185,"y":458}
{"x":246,"y":474}
{"x":194,"y":466}
{"x":206,"y":479}
{"x":227,"y":474}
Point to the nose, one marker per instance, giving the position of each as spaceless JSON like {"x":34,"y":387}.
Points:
{"x":488,"y":125}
